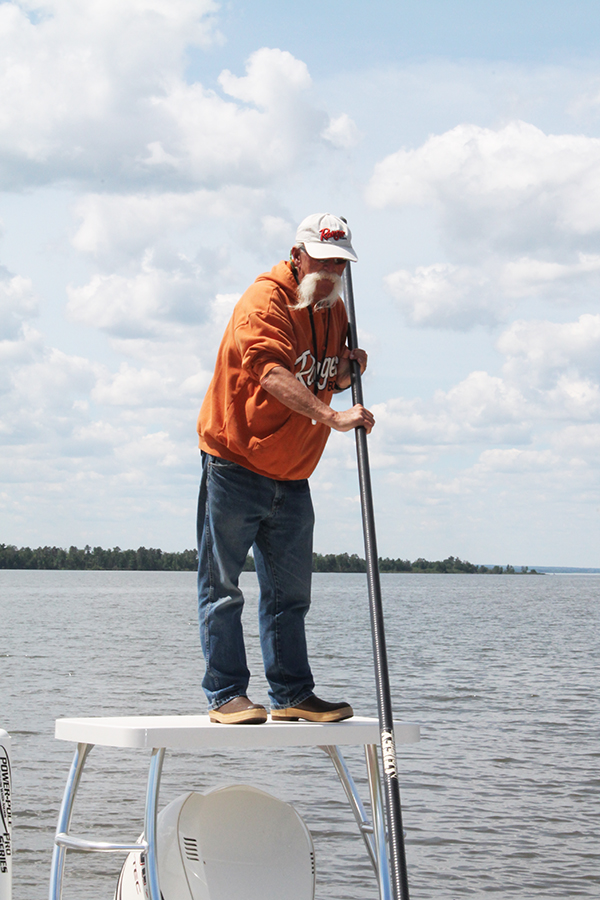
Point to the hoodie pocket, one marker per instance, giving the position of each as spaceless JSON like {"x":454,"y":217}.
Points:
{"x":277,"y":444}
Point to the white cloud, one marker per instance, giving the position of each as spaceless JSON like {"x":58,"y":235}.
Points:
{"x":422,"y":486}
{"x":250,"y":143}
{"x":574,"y":397}
{"x":539,"y":352}
{"x":70,"y":429}
{"x":342,"y":132}
{"x":551,"y":373}
{"x":116,"y":232}
{"x":134,"y":387}
{"x":259,"y":86}
{"x":518,"y":212}
{"x":504,"y":169}
{"x":97,"y":92}
{"x":482,"y":408}
{"x":143,"y":304}
{"x":513,"y":460}
{"x":39,"y":390}
{"x":579,"y":440}
{"x":75,"y":81}
{"x":114,"y":228}
{"x":222,"y":308}
{"x":18,"y":303}
{"x":50,"y":382}
{"x":461,"y":297}
{"x":496,"y":491}
{"x":526,"y":276}
{"x":159,"y":379}
{"x":537,"y":422}
{"x":514,"y":187}
{"x":97,"y":439}
{"x":483,"y":401}
{"x":153,"y":449}
{"x":275,"y":233}
{"x":447,"y":296}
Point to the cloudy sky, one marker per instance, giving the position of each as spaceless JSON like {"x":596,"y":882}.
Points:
{"x":156,"y":155}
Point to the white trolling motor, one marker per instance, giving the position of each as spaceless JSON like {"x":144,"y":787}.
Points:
{"x":232,"y":842}
{"x":5,"y":818}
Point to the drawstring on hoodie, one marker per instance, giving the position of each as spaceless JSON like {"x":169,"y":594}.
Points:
{"x":319,"y":365}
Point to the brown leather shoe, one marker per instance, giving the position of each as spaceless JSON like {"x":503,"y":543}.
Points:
{"x":313,"y":710}
{"x":239,"y":711}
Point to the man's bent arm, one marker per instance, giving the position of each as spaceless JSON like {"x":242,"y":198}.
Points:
{"x":343,"y":377}
{"x":286,"y":388}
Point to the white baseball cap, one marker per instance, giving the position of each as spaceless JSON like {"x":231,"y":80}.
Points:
{"x":325,"y":237}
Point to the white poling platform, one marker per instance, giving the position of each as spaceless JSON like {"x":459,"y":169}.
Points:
{"x":159,"y":733}
{"x":199,"y":733}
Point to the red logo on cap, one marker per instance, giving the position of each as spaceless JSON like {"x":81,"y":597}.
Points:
{"x":327,"y":235}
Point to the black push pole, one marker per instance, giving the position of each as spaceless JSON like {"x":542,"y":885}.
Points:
{"x":398,"y":874}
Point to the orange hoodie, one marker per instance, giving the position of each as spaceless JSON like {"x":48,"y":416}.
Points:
{"x":242,"y":422}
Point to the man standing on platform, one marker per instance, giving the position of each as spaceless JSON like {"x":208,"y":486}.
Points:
{"x":263,"y":426}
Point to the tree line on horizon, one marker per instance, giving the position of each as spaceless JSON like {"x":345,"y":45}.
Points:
{"x":153,"y":560}
{"x":142,"y":559}
{"x":452,"y":565}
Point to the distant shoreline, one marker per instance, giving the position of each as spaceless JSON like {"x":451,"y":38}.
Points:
{"x":155,"y":560}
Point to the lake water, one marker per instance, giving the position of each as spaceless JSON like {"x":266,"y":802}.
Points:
{"x":501,"y":797}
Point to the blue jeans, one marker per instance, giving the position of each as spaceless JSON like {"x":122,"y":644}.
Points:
{"x":238,"y":509}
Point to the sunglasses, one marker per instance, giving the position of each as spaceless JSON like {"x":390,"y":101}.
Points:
{"x":335,"y":260}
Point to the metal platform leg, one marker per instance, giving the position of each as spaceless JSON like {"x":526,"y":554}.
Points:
{"x":152,"y":790}
{"x":64,"y":819}
{"x":373,"y":835}
{"x":377,"y":807}
{"x":348,"y":783}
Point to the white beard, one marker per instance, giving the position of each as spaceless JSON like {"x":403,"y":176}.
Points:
{"x":307,"y":287}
